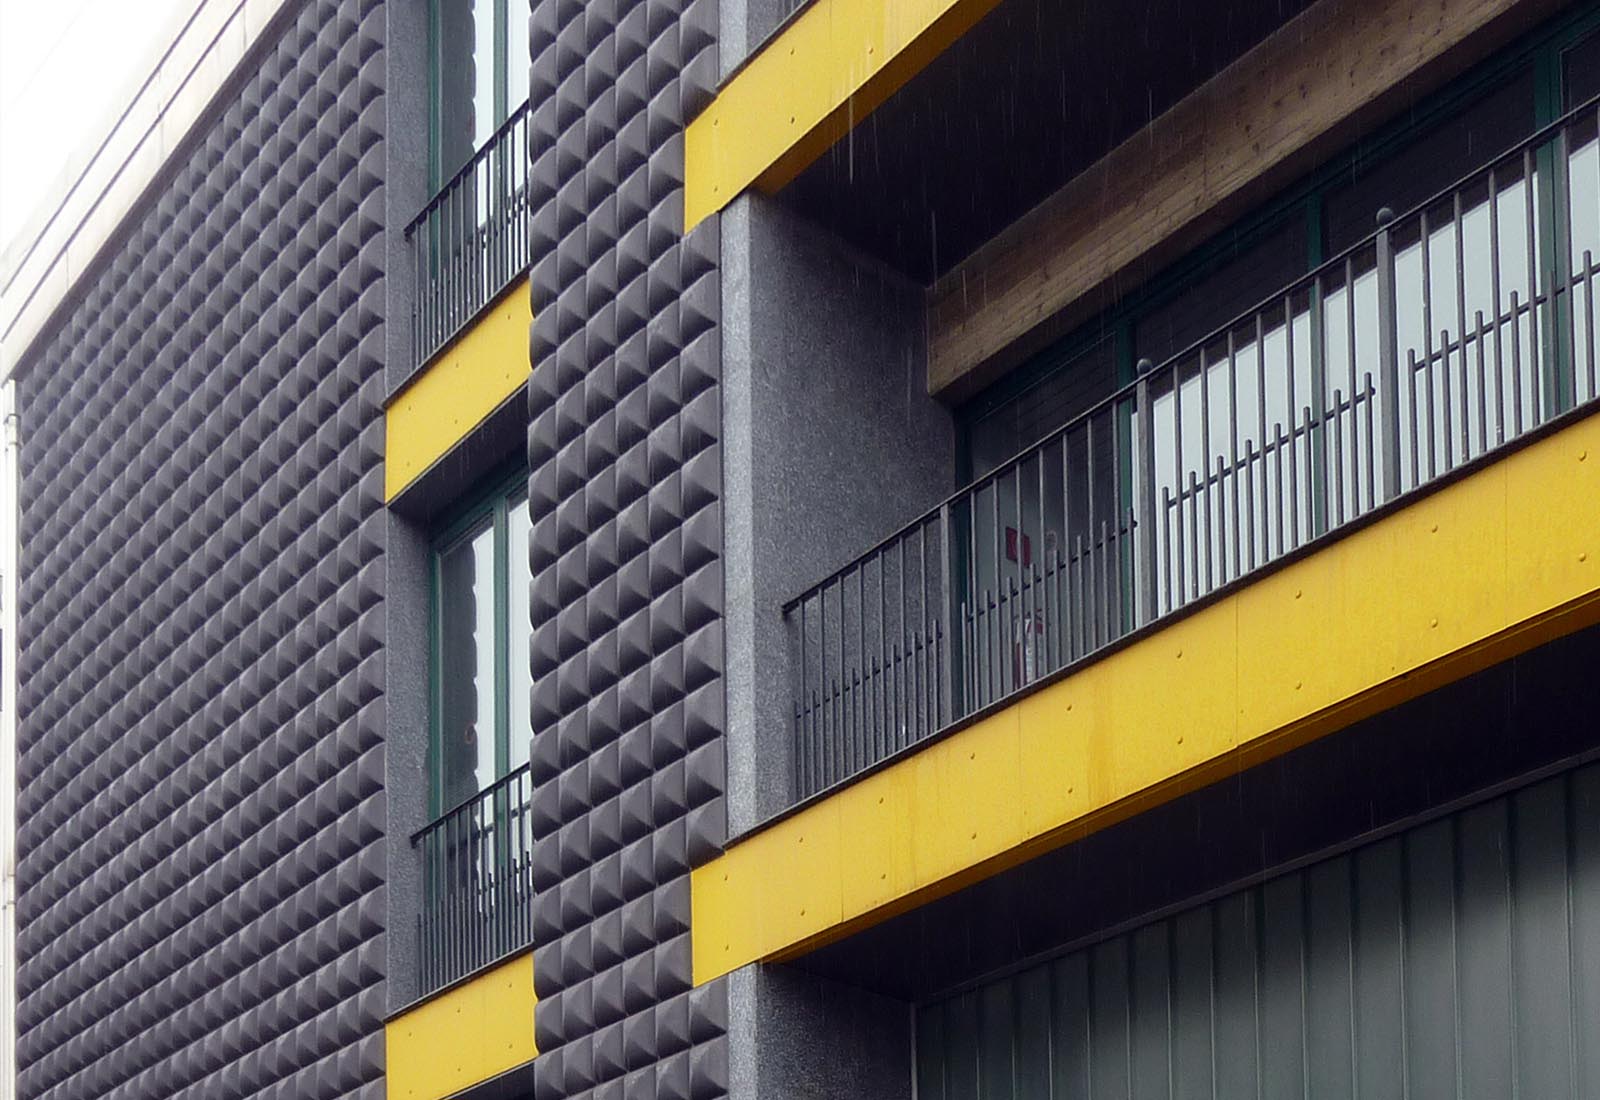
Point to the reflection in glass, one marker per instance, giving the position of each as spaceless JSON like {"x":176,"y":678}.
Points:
{"x":466,"y":667}
{"x":520,"y":524}
{"x":465,"y":73}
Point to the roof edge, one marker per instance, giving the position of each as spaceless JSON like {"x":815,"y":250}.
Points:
{"x":41,"y":267}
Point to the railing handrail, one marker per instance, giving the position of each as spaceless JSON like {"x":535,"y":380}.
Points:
{"x":1127,"y":391}
{"x":504,"y":782}
{"x":479,"y":155}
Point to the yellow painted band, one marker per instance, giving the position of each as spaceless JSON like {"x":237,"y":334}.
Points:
{"x":804,"y":90}
{"x":1483,"y":569}
{"x":471,"y":1033}
{"x":466,"y":382}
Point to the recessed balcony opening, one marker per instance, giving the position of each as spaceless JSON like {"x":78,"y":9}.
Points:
{"x":1415,"y":306}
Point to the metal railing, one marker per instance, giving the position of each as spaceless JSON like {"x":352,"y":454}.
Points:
{"x":477,"y":883}
{"x":471,"y":240}
{"x":1450,"y":332}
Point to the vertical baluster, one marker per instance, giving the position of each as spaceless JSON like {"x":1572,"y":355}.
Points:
{"x":1106,"y":558}
{"x":1429,"y":387}
{"x":1166,"y":543}
{"x":1289,"y":407}
{"x":1234,"y":566}
{"x":1177,"y":478}
{"x":886,"y":711}
{"x":1426,"y":244}
{"x":1079,"y":601}
{"x":1536,"y":351}
{"x":802,"y":737}
{"x":1193,"y":503}
{"x":1499,"y":326}
{"x":1483,"y":382}
{"x":1461,"y":333}
{"x":1040,"y":631}
{"x":994,"y":604}
{"x":1261,"y":415}
{"x":1205,"y":465}
{"x":1278,"y":444}
{"x":1119,"y":595}
{"x":1388,"y":356}
{"x":1064,"y":579}
{"x":1338,"y":458}
{"x":1350,"y":349}
{"x":1446,"y":399}
{"x":1416,"y":416}
{"x":1023,"y":624}
{"x":901,"y":701}
{"x":1588,"y":308}
{"x":1145,"y":476}
{"x":945,"y":690}
{"x":1222,"y":504}
{"x":1369,"y":394}
{"x":1516,"y":367}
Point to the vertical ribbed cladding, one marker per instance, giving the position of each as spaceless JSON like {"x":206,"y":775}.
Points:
{"x":625,"y":484}
{"x":201,"y":814}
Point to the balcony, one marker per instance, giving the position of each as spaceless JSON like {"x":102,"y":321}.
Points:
{"x":1453,"y":332}
{"x":470,"y":242}
{"x":477,"y":883}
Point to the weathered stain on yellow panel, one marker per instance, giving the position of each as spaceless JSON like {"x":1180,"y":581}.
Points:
{"x":466,"y":382}
{"x":1474,"y":573}
{"x":818,"y":77}
{"x":471,"y":1033}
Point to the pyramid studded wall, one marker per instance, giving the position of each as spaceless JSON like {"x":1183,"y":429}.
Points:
{"x":201,"y":815}
{"x":625,"y":482}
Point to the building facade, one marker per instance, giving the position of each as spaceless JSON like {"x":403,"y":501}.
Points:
{"x":959,"y":549}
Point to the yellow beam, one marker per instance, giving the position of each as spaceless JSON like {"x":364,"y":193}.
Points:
{"x":471,"y":1033}
{"x":1488,"y":567}
{"x":466,"y":382}
{"x":804,"y":90}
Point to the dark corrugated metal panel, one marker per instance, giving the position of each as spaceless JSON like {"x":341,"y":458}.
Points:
{"x":1460,"y":959}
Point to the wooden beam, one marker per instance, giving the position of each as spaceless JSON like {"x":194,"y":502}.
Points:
{"x":1301,"y":94}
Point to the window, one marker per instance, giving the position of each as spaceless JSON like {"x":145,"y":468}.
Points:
{"x":480,"y":636}
{"x":479,"y":73}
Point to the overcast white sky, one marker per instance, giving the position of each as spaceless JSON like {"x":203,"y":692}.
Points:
{"x":67,"y":67}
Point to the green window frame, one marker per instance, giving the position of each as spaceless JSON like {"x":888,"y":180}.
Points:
{"x":457,"y":30}
{"x":494,"y":529}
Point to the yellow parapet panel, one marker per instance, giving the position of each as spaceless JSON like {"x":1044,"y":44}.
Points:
{"x":466,"y":382}
{"x":471,"y":1033}
{"x":819,"y":76}
{"x":1485,"y":568}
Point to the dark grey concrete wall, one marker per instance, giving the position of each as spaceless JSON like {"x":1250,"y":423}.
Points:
{"x":201,"y":892}
{"x":405,"y":538}
{"x":797,"y":1036}
{"x":746,"y":24}
{"x":625,"y":487}
{"x":832,"y":443}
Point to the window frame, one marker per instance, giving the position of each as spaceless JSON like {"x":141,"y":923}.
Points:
{"x":494,"y":499}
{"x":1544,"y":50}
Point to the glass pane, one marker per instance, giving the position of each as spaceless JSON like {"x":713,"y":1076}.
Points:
{"x":1239,"y":282}
{"x":466,"y":62}
{"x":466,"y":667}
{"x":1581,"y":71}
{"x":518,"y":63}
{"x":1067,"y":391}
{"x":1435,"y":160}
{"x":521,"y":523}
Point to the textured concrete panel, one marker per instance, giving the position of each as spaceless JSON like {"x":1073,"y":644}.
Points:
{"x":625,"y":484}
{"x":201,"y":904}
